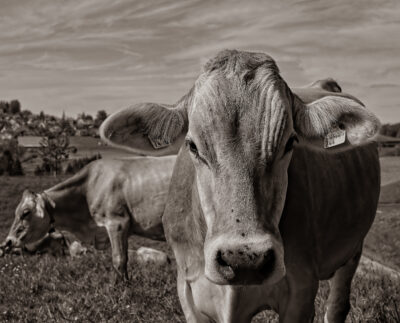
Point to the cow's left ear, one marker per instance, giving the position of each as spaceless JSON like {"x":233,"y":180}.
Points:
{"x":318,"y":119}
{"x":148,"y":128}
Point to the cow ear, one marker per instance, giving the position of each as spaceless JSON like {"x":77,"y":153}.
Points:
{"x":328,"y":84}
{"x":320,"y":118}
{"x":147,"y":128}
{"x":40,"y":206}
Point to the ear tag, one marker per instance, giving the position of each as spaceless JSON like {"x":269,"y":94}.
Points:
{"x":335,"y":138}
{"x":158,"y":143}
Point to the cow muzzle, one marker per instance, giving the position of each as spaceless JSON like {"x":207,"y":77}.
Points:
{"x":9,"y":243}
{"x":240,"y":261}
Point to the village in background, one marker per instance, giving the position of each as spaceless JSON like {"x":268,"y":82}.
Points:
{"x":43,"y":144}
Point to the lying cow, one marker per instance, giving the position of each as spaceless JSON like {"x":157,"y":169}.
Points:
{"x":53,"y":243}
{"x":126,"y":196}
{"x":258,"y":210}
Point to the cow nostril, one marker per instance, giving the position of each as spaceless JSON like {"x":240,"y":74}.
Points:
{"x":269,"y":260}
{"x":8,"y":243}
{"x":221,"y":260}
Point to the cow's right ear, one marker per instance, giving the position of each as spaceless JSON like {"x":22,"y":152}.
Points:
{"x":148,"y":128}
{"x":27,"y":192}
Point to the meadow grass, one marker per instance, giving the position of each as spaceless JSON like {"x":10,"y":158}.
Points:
{"x":49,"y":289}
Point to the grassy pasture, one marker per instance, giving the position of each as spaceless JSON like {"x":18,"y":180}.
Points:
{"x":49,"y":289}
{"x":390,"y":169}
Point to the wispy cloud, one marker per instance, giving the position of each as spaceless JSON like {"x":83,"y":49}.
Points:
{"x":82,"y":56}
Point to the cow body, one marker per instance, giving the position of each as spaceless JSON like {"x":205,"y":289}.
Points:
{"x":327,"y":213}
{"x":111,"y":189}
{"x":255,"y":220}
{"x":122,"y":196}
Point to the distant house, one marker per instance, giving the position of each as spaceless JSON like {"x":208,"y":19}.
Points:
{"x":29,"y":141}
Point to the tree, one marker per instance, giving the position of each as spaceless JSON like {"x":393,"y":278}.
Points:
{"x":17,"y":168}
{"x":85,"y":117}
{"x":4,"y":106}
{"x":53,"y":151}
{"x":66,"y":126}
{"x":100,"y":117}
{"x":11,"y":165}
{"x":26,"y":114}
{"x":15,"y":107}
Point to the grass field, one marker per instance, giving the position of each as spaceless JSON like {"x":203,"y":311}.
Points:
{"x":49,"y":289}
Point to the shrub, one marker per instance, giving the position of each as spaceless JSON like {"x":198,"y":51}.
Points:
{"x":10,"y":165}
{"x":17,"y":168}
{"x":77,"y":164}
{"x":38,"y":171}
{"x":53,"y":151}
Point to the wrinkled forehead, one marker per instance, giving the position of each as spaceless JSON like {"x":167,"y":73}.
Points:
{"x":215,"y":95}
{"x":229,"y":108}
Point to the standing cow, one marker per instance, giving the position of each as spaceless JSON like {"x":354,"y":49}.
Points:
{"x":258,"y":211}
{"x":126,"y":196}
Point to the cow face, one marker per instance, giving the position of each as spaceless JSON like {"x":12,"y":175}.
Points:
{"x":31,"y":222}
{"x":239,"y":124}
{"x":240,"y":138}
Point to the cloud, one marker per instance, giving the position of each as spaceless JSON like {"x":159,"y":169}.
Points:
{"x":82,"y":56}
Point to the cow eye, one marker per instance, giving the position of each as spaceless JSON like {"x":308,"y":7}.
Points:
{"x":25,"y":213}
{"x":192,"y":147}
{"x":290,"y":143}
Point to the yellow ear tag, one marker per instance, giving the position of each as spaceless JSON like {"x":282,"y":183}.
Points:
{"x":335,"y":138}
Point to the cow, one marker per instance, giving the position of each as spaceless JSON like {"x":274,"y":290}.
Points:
{"x":260,"y":208}
{"x":124,"y":196}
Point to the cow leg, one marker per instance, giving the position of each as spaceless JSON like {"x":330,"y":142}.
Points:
{"x":299,"y":307}
{"x":118,"y":233}
{"x":185,"y":294}
{"x":338,"y":304}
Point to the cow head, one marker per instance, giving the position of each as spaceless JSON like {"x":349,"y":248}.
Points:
{"x":239,"y":124}
{"x":32,"y":220}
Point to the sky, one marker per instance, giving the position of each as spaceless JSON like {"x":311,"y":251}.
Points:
{"x":87,"y":55}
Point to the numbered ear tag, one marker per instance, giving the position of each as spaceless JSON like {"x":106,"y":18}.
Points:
{"x":335,"y":138}
{"x":158,"y":143}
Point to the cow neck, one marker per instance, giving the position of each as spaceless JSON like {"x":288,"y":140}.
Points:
{"x":49,"y":208}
